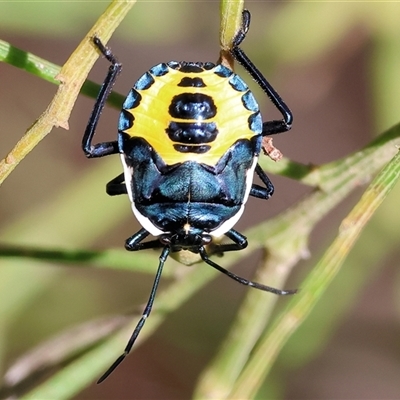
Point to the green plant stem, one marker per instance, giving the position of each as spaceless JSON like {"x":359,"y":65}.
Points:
{"x":329,"y":176}
{"x":231,"y":21}
{"x":71,"y":78}
{"x":112,"y":258}
{"x":78,"y":374}
{"x":48,"y":71}
{"x":29,"y":62}
{"x":56,"y":351}
{"x":285,"y":240}
{"x":253,"y":375}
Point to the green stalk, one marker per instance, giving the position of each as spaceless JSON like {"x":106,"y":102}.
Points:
{"x":71,"y":77}
{"x":270,"y":344}
{"x":285,"y":239}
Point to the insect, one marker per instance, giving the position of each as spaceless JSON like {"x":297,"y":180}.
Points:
{"x":189,"y":137}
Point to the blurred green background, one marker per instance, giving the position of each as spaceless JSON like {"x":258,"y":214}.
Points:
{"x":335,"y":64}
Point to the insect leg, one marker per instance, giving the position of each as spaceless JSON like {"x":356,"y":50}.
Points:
{"x":104,"y":148}
{"x":260,"y":191}
{"x":116,"y":186}
{"x":269,"y":127}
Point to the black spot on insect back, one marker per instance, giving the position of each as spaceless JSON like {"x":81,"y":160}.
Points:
{"x":191,"y":82}
{"x":196,"y":106}
{"x":192,"y":133}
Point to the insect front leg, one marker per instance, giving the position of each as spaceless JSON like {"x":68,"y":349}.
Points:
{"x":104,"y":148}
{"x":117,"y":186}
{"x":269,"y":127}
{"x":134,"y":243}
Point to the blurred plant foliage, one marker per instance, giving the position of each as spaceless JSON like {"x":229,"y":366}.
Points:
{"x":294,"y":32}
{"x":63,"y":19}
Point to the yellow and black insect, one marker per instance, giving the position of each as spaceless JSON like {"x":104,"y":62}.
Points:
{"x":189,"y":137}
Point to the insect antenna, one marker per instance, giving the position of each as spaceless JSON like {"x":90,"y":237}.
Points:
{"x":241,"y":280}
{"x":163,"y":257}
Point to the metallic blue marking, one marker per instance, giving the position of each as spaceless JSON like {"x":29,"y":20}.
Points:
{"x":208,"y":65}
{"x":132,"y":100}
{"x":222,"y":71}
{"x":250,"y":102}
{"x":255,"y":123}
{"x":144,"y":82}
{"x":237,"y":83}
{"x":173,"y":64}
{"x":125,"y":120}
{"x":159,"y":69}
